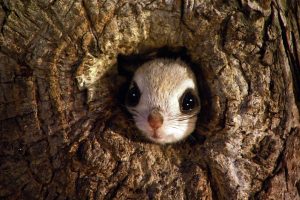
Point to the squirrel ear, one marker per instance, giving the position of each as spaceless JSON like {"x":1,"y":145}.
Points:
{"x":180,"y":61}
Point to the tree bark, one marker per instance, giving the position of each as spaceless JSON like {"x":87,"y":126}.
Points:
{"x":65,"y":135}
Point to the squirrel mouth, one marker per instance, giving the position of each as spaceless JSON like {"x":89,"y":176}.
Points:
{"x":155,"y":135}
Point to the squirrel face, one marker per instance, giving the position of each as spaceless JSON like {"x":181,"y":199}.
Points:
{"x":163,"y":99}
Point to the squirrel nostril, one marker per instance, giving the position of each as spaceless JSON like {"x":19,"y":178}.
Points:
{"x":155,"y":119}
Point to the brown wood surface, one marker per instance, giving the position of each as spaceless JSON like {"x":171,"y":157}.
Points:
{"x":65,"y":135}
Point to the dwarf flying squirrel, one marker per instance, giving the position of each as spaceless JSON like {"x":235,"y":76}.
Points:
{"x":163,"y":99}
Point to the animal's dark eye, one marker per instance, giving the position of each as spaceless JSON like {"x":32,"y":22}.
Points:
{"x":133,"y":95}
{"x":188,"y":101}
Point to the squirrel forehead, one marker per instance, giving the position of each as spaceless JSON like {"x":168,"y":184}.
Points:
{"x":163,"y":75}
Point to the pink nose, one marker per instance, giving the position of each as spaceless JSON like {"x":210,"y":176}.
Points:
{"x":155,"y":119}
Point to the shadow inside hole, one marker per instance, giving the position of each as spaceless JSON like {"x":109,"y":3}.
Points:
{"x":127,"y":65}
{"x":206,"y":112}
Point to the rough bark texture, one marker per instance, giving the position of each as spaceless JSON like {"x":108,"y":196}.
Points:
{"x":63,"y":134}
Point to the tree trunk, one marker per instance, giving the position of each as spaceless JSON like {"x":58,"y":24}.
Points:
{"x":64,"y":134}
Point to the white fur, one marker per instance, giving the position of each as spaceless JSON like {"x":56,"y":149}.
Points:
{"x":162,"y":82}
